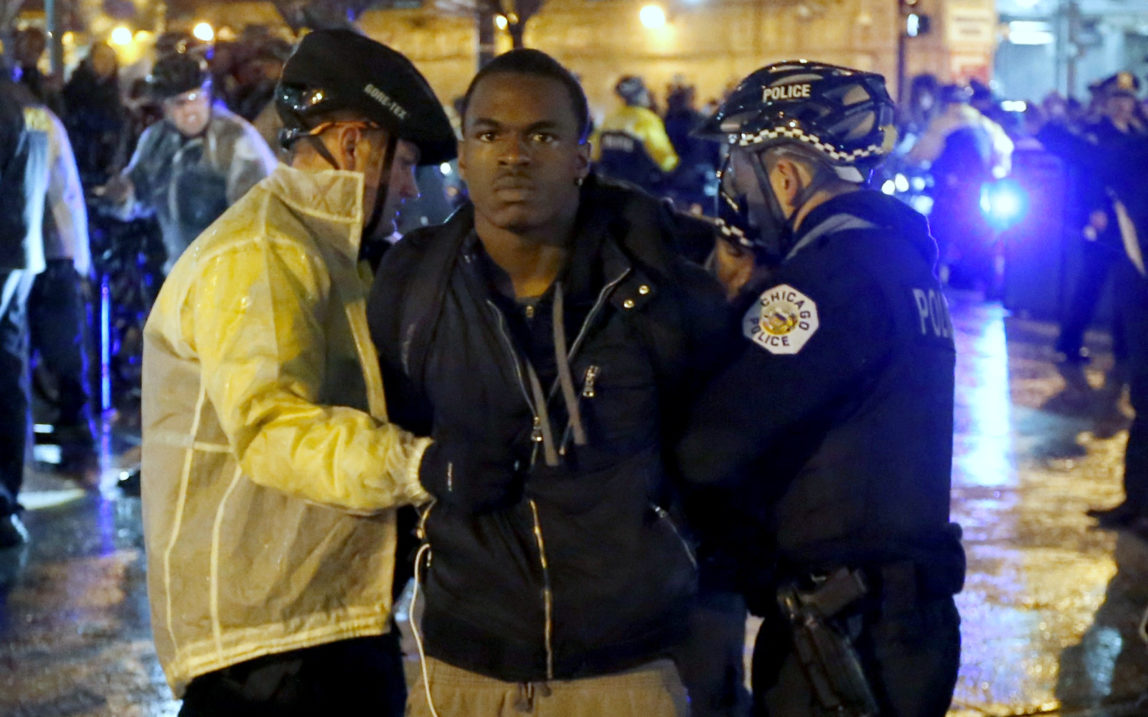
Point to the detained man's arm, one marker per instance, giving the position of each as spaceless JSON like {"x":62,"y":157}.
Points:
{"x":257,"y":315}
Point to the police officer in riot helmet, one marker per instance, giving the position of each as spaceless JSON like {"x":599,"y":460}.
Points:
{"x":632,"y":144}
{"x":832,"y":423}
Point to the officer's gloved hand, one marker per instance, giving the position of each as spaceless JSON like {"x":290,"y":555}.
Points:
{"x":476,"y":476}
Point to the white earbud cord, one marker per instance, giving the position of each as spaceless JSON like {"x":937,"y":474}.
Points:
{"x":424,"y":548}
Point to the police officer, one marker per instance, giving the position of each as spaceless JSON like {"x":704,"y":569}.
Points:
{"x":189,"y":168}
{"x":1118,"y":164}
{"x":832,"y":424}
{"x":632,"y":144}
{"x":1102,"y":246}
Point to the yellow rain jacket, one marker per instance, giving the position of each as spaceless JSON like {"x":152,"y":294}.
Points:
{"x":270,"y":473}
{"x":645,"y":126}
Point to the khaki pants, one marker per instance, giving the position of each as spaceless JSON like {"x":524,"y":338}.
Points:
{"x":651,"y":690}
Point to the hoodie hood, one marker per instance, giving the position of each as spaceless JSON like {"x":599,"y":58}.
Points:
{"x":867,"y":209}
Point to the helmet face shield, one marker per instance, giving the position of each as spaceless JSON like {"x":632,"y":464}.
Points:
{"x":749,"y":213}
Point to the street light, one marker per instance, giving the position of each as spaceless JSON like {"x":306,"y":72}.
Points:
{"x":121,"y":36}
{"x":652,"y":16}
{"x":203,"y":32}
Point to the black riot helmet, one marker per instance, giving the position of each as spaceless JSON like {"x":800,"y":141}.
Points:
{"x":335,"y":70}
{"x":837,"y":119}
{"x":177,"y":73}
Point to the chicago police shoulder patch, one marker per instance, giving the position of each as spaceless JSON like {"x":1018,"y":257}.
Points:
{"x":781,"y":320}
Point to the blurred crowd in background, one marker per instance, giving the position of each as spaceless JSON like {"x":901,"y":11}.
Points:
{"x":958,"y":147}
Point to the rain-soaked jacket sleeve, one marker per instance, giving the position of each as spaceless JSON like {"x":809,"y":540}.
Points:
{"x":257,"y":316}
{"x":251,"y":161}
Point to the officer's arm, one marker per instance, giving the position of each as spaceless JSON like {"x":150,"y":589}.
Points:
{"x":751,"y":406}
{"x":256,"y":315}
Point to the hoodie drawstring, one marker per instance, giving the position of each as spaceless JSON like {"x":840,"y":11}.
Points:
{"x":565,"y":377}
{"x":543,"y":432}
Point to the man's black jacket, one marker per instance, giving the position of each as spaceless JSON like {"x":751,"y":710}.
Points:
{"x":833,"y":425}
{"x":582,"y":570}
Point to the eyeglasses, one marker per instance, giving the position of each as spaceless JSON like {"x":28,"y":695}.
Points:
{"x":287,"y":136}
{"x":187,"y":98}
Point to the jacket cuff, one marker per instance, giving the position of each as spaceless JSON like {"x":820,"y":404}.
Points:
{"x":411,"y":489}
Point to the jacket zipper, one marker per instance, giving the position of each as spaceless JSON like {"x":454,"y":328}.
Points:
{"x":665,"y":516}
{"x":592,"y":371}
{"x":588,"y":391}
{"x":536,"y":432}
{"x":547,"y":593}
{"x":602,"y":296}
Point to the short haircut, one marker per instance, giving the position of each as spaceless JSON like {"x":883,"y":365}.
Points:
{"x":527,"y":61}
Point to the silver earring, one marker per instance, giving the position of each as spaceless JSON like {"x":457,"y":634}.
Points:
{"x":578,"y":182}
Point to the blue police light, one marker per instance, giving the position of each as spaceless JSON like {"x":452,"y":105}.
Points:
{"x":1003,"y":203}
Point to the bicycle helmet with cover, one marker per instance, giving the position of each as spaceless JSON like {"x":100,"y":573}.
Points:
{"x":334,"y":70}
{"x":838,"y":119}
{"x":177,"y":73}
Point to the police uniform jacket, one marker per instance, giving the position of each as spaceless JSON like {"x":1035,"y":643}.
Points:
{"x":834,"y":420}
{"x":582,"y":571}
{"x":632,"y":145}
{"x":1118,"y":163}
{"x":270,"y":472}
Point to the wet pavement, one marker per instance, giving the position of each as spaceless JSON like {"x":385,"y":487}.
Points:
{"x":1050,"y":609}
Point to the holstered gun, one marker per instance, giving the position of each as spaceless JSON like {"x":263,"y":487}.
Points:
{"x":827,"y":654}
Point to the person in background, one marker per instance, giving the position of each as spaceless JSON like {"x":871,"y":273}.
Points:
{"x":28,"y":48}
{"x":23,"y":187}
{"x":963,"y":150}
{"x":95,"y":116}
{"x":1102,"y":246}
{"x":56,"y":311}
{"x":187,"y":169}
{"x":692,"y":183}
{"x":632,"y":145}
{"x":1119,"y":164}
{"x":271,"y":473}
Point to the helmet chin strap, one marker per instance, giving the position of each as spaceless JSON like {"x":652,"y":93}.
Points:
{"x":780,"y":224}
{"x":321,"y":148}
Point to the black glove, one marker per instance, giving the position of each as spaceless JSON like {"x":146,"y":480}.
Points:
{"x":471,"y":475}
